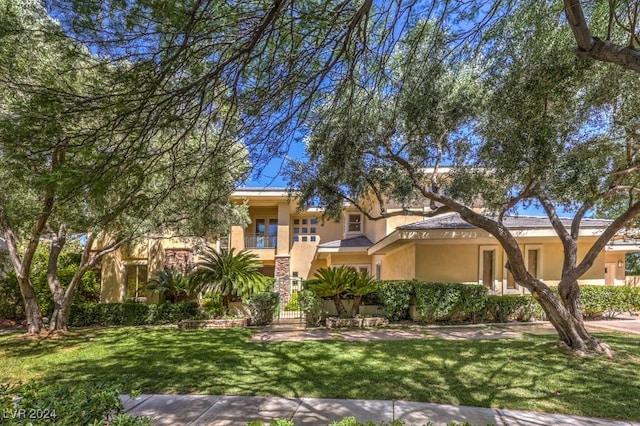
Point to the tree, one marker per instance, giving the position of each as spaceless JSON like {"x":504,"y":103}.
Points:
{"x":528,"y":134}
{"x":619,"y":45}
{"x":362,"y":284}
{"x":229,"y":274}
{"x":332,"y":282}
{"x":69,"y":170}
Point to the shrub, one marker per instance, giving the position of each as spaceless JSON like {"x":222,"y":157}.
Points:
{"x":395,"y":297}
{"x":294,"y":302}
{"x":609,"y":301}
{"x":11,"y":304}
{"x":509,"y":307}
{"x":312,"y":306}
{"x":66,"y":404}
{"x":130,"y":314}
{"x":212,"y":304}
{"x":449,"y":301}
{"x":262,"y":307}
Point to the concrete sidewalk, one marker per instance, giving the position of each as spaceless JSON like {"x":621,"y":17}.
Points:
{"x":239,"y":410}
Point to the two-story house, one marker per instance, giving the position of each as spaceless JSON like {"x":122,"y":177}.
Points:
{"x":293,"y":243}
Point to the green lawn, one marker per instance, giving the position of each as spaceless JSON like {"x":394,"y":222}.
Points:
{"x":526,"y":374}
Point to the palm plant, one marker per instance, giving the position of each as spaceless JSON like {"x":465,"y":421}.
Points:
{"x":362,"y":284}
{"x":333,"y":282}
{"x":229,"y":274}
{"x":169,"y":283}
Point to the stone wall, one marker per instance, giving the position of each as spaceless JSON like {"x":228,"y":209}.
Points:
{"x":179,"y":259}
{"x":282,"y":275}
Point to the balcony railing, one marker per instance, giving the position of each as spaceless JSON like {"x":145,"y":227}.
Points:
{"x":253,"y":241}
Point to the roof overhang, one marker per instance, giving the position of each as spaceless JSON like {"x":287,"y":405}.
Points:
{"x":400,"y":237}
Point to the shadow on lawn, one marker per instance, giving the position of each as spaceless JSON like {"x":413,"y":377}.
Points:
{"x":518,"y":373}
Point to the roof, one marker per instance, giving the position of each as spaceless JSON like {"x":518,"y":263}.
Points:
{"x":360,"y":241}
{"x":454,"y":221}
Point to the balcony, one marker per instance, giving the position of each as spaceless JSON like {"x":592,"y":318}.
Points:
{"x":254,"y":241}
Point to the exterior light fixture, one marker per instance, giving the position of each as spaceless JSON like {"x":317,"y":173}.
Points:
{"x":620,"y":263}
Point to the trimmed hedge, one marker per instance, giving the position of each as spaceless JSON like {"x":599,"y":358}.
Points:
{"x":129,"y":313}
{"x":449,"y":301}
{"x":609,"y":301}
{"x":395,"y":298}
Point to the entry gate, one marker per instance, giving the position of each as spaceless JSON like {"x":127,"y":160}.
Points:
{"x":289,"y":305}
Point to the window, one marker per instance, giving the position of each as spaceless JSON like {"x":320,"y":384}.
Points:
{"x":533,"y":260}
{"x":487,"y":266}
{"x":378,"y":271}
{"x":304,"y":233}
{"x":266,"y":234}
{"x":136,"y":278}
{"x":354,"y":222}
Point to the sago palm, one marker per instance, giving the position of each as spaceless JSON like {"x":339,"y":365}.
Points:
{"x":333,"y":282}
{"x":362,"y":284}
{"x":170,"y":283}
{"x":229,"y":274}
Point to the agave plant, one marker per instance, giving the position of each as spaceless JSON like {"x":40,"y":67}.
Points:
{"x":229,"y":274}
{"x":169,"y":283}
{"x":332,"y":282}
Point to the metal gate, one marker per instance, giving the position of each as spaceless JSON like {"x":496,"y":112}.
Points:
{"x":289,"y":306}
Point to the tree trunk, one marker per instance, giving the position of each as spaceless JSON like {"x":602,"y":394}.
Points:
{"x":35,"y":322}
{"x":571,"y":329}
{"x":355,"y":309}
{"x":339,"y":306}
{"x":570,"y":296}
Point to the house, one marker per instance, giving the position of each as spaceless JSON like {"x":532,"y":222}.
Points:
{"x":293,"y":244}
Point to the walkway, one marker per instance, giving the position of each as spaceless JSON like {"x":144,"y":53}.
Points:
{"x":239,"y":410}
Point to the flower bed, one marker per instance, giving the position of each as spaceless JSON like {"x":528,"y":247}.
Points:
{"x":333,"y":322}
{"x":214,"y":323}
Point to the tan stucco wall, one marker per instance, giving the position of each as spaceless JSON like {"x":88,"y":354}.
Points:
{"x":112,"y":278}
{"x":449,"y":263}
{"x":399,"y":265}
{"x":302,"y":255}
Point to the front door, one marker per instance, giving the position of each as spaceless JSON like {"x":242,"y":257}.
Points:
{"x":610,"y":273}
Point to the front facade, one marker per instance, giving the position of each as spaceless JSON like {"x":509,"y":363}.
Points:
{"x":293,"y":244}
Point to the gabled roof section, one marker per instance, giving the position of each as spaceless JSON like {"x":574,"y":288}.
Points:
{"x":355,"y":242}
{"x":454,"y":221}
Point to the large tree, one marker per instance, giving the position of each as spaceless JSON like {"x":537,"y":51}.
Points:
{"x":68,"y":168}
{"x":525,"y":124}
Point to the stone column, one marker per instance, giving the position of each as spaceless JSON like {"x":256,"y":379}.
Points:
{"x":283,"y":274}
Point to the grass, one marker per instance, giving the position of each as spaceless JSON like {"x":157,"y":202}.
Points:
{"x":523,"y":374}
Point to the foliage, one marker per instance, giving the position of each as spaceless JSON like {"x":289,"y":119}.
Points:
{"x":109,"y":314}
{"x":262,"y":307}
{"x":68,"y":264}
{"x":449,"y":301}
{"x":332,"y":282}
{"x":229,"y":274}
{"x":632,"y":264}
{"x":509,"y":308}
{"x":169,"y":283}
{"x":396,"y":297}
{"x":212,"y":304}
{"x":342,"y":280}
{"x":64,"y":404}
{"x":312,"y":306}
{"x":609,"y":301}
{"x":294,"y":302}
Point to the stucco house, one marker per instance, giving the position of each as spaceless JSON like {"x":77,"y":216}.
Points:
{"x":292,"y":244}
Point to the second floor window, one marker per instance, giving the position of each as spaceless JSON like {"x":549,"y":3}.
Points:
{"x":354,"y":222}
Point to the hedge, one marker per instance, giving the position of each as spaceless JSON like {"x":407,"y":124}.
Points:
{"x":395,"y":298}
{"x":449,"y":301}
{"x":129,"y":313}
{"x":609,"y":301}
